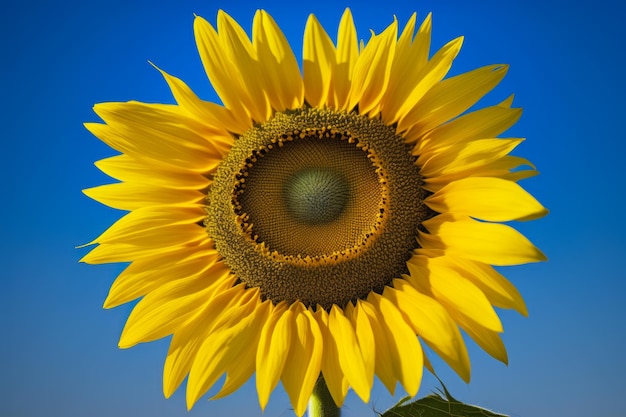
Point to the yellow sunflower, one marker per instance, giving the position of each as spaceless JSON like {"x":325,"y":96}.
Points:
{"x":328,"y":223}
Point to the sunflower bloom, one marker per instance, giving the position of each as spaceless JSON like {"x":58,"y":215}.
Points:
{"x":330,"y":222}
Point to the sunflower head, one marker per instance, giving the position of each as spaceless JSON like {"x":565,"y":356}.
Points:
{"x":325,"y":223}
{"x":317,"y":206}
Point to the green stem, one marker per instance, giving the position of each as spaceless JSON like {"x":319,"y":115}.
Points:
{"x":321,"y":403}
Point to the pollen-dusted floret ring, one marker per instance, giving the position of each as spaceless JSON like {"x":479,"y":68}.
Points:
{"x":318,"y":206}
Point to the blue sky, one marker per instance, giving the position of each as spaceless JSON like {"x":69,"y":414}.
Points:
{"x":59,"y":354}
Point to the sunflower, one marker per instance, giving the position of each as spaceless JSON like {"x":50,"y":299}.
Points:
{"x":324,"y":224}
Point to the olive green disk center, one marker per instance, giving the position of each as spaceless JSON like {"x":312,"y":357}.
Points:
{"x":316,"y":195}
{"x":318,"y":206}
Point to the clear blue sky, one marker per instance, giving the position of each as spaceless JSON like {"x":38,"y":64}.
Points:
{"x":59,"y":354}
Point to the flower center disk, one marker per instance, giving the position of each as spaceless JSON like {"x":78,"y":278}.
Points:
{"x":318,"y":206}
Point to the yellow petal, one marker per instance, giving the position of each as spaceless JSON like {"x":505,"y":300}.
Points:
{"x":421,"y":41}
{"x":372,"y":70}
{"x":305,"y":358}
{"x":274,"y":346}
{"x":141,"y":277}
{"x":453,"y":96}
{"x":431,"y":322}
{"x":365,"y":338}
{"x":154,"y":226}
{"x":124,"y":252}
{"x":331,"y":369}
{"x":500,"y":292}
{"x":123,"y":242}
{"x":398,"y":71}
{"x":283,"y":82}
{"x":491,"y":199}
{"x":405,"y":352}
{"x":456,"y":293}
{"x":406,"y":37}
{"x":347,"y":55}
{"x":210,"y":113}
{"x":488,"y":340}
{"x":127,"y":169}
{"x":465,"y":156}
{"x":350,"y":357}
{"x":246,"y":66}
{"x":187,"y":340}
{"x":226,"y":344}
{"x":241,"y":362}
{"x":132,"y":196}
{"x":221,"y":71}
{"x":162,"y":311}
{"x":508,"y":102}
{"x":479,"y":124}
{"x":158,"y":131}
{"x":483,"y":166}
{"x":495,"y":244}
{"x":413,"y":85}
{"x":318,"y":62}
{"x":384,"y":358}
{"x":518,"y":175}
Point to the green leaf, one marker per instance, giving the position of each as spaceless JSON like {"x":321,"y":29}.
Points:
{"x":435,"y":405}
